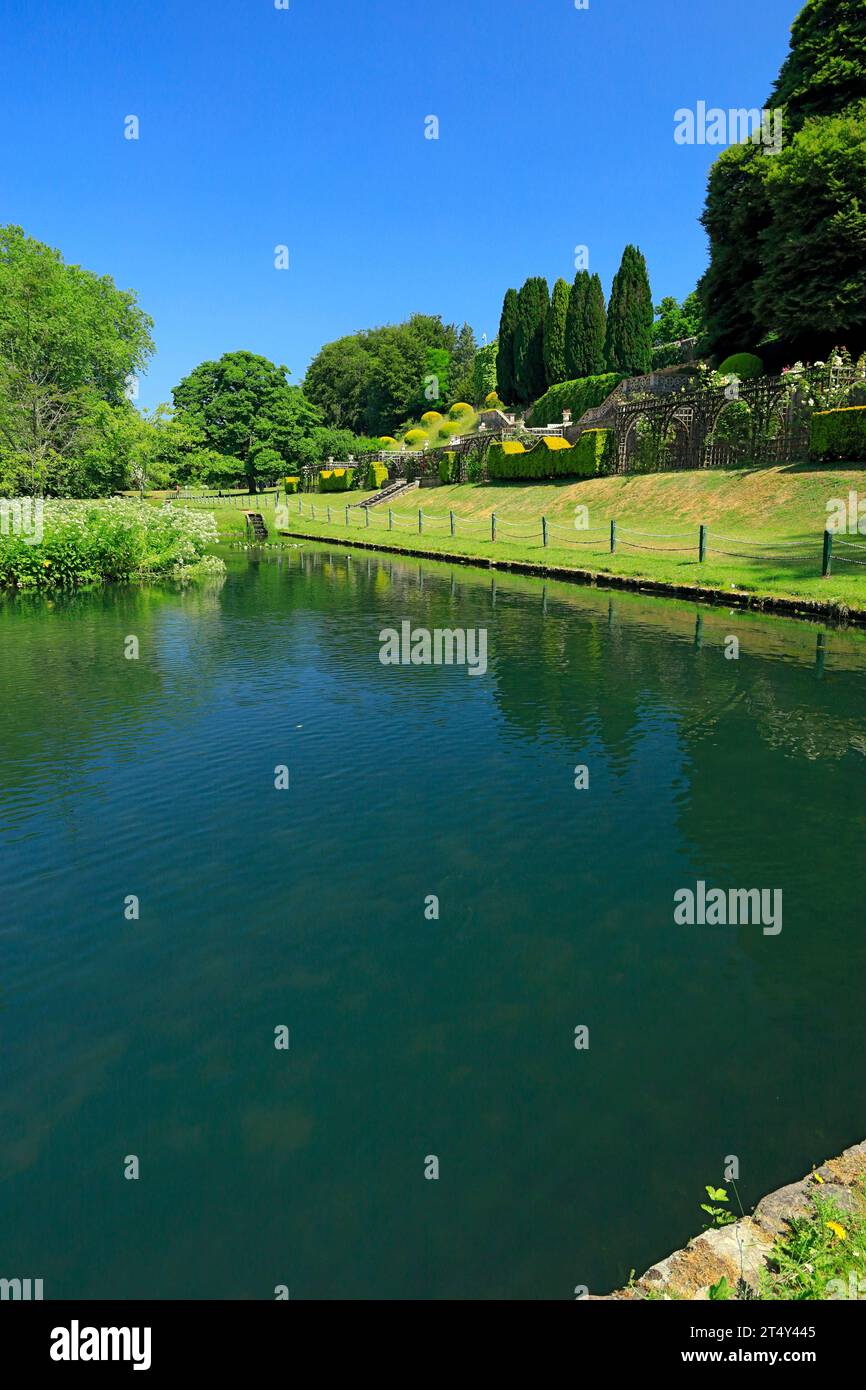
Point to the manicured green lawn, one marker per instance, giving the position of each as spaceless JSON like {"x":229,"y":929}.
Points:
{"x":765,"y":527}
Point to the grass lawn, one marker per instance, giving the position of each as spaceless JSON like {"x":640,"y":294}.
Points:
{"x":765,"y":528}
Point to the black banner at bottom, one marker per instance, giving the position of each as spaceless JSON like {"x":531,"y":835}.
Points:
{"x":164,"y":1339}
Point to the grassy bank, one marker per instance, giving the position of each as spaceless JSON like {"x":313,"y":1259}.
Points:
{"x":764,"y":536}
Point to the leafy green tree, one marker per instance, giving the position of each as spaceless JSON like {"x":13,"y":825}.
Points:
{"x":756,"y":232}
{"x":505,"y":377}
{"x":675,"y":321}
{"x":825,"y":71}
{"x":812,"y":286}
{"x":628,"y":340}
{"x":735,"y":216}
{"x":435,"y":389}
{"x":69,"y":340}
{"x":532,"y":305}
{"x":555,"y":369}
{"x":242,"y":402}
{"x":207,"y":468}
{"x":484,"y":372}
{"x":369,"y":382}
{"x":463,"y":355}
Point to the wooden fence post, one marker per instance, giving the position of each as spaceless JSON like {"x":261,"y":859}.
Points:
{"x":493,"y":526}
{"x":827,"y":559}
{"x":420,"y":521}
{"x":702,"y":544}
{"x":451,"y":518}
{"x":612,"y":537}
{"x":544,"y":530}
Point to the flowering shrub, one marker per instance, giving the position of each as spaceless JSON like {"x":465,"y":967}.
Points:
{"x":94,"y":542}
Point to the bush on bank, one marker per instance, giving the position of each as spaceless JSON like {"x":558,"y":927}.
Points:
{"x":839,"y":435}
{"x":577,"y":396}
{"x":63,"y":544}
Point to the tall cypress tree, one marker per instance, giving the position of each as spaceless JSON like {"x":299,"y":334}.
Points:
{"x":532,"y":305}
{"x":554,"y":334}
{"x":629,"y":336}
{"x":505,"y":356}
{"x":594,"y":329}
{"x":574,"y":325}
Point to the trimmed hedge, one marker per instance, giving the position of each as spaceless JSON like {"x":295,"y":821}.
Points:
{"x":415,"y":437}
{"x":577,"y":396}
{"x":459,"y":409}
{"x":593,"y":452}
{"x":839,"y":434}
{"x":336,"y":479}
{"x":291,"y":484}
{"x":551,"y":457}
{"x":449,"y":467}
{"x":377,"y":476}
{"x":745,"y":365}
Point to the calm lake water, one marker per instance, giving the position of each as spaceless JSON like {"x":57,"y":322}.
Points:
{"x":412,"y":1037}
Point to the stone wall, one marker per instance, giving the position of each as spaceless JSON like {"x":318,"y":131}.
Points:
{"x":740,"y":1251}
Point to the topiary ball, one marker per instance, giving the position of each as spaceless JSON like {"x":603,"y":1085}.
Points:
{"x":745,"y":365}
{"x":460,"y":408}
{"x":430,"y":417}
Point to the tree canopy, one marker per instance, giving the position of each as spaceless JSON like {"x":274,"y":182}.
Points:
{"x":243,"y":403}
{"x":825,"y":71}
{"x":785,"y":229}
{"x":70,"y":341}
{"x":371,"y":382}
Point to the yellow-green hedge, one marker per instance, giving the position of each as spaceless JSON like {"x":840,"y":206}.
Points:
{"x":839,"y":434}
{"x":336,"y":479}
{"x":291,"y":484}
{"x":377,"y":476}
{"x":449,"y":467}
{"x":551,"y":457}
{"x":593,"y":453}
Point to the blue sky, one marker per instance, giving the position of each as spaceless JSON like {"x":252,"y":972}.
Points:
{"x":305,"y":127}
